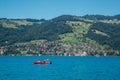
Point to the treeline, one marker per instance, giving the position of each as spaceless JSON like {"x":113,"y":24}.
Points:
{"x":23,"y":33}
{"x":112,"y":32}
{"x":101,"y":17}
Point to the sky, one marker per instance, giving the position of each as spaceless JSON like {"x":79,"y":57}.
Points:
{"x":48,"y":9}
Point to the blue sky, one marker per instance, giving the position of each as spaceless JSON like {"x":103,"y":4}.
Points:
{"x":48,"y":9}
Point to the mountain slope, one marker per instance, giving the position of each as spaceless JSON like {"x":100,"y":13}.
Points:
{"x":88,"y":33}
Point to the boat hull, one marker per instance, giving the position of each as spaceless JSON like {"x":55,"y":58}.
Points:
{"x":41,"y":62}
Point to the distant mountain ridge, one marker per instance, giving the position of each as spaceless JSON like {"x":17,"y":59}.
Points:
{"x":93,"y":30}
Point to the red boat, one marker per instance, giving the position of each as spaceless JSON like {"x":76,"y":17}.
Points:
{"x":41,"y":62}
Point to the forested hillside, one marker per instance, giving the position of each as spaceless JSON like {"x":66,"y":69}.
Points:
{"x":63,"y":35}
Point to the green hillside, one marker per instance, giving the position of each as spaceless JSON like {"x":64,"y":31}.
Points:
{"x":63,"y":35}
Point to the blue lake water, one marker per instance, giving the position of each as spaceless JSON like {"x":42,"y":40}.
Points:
{"x":62,"y":68}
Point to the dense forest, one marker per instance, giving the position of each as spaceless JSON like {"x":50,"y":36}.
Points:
{"x":63,"y":35}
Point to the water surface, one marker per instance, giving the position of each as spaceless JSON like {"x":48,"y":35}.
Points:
{"x":62,"y":68}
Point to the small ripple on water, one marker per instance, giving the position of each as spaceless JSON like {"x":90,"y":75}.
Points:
{"x":7,"y":74}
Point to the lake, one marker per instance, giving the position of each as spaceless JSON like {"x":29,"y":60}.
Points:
{"x":62,"y":68}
